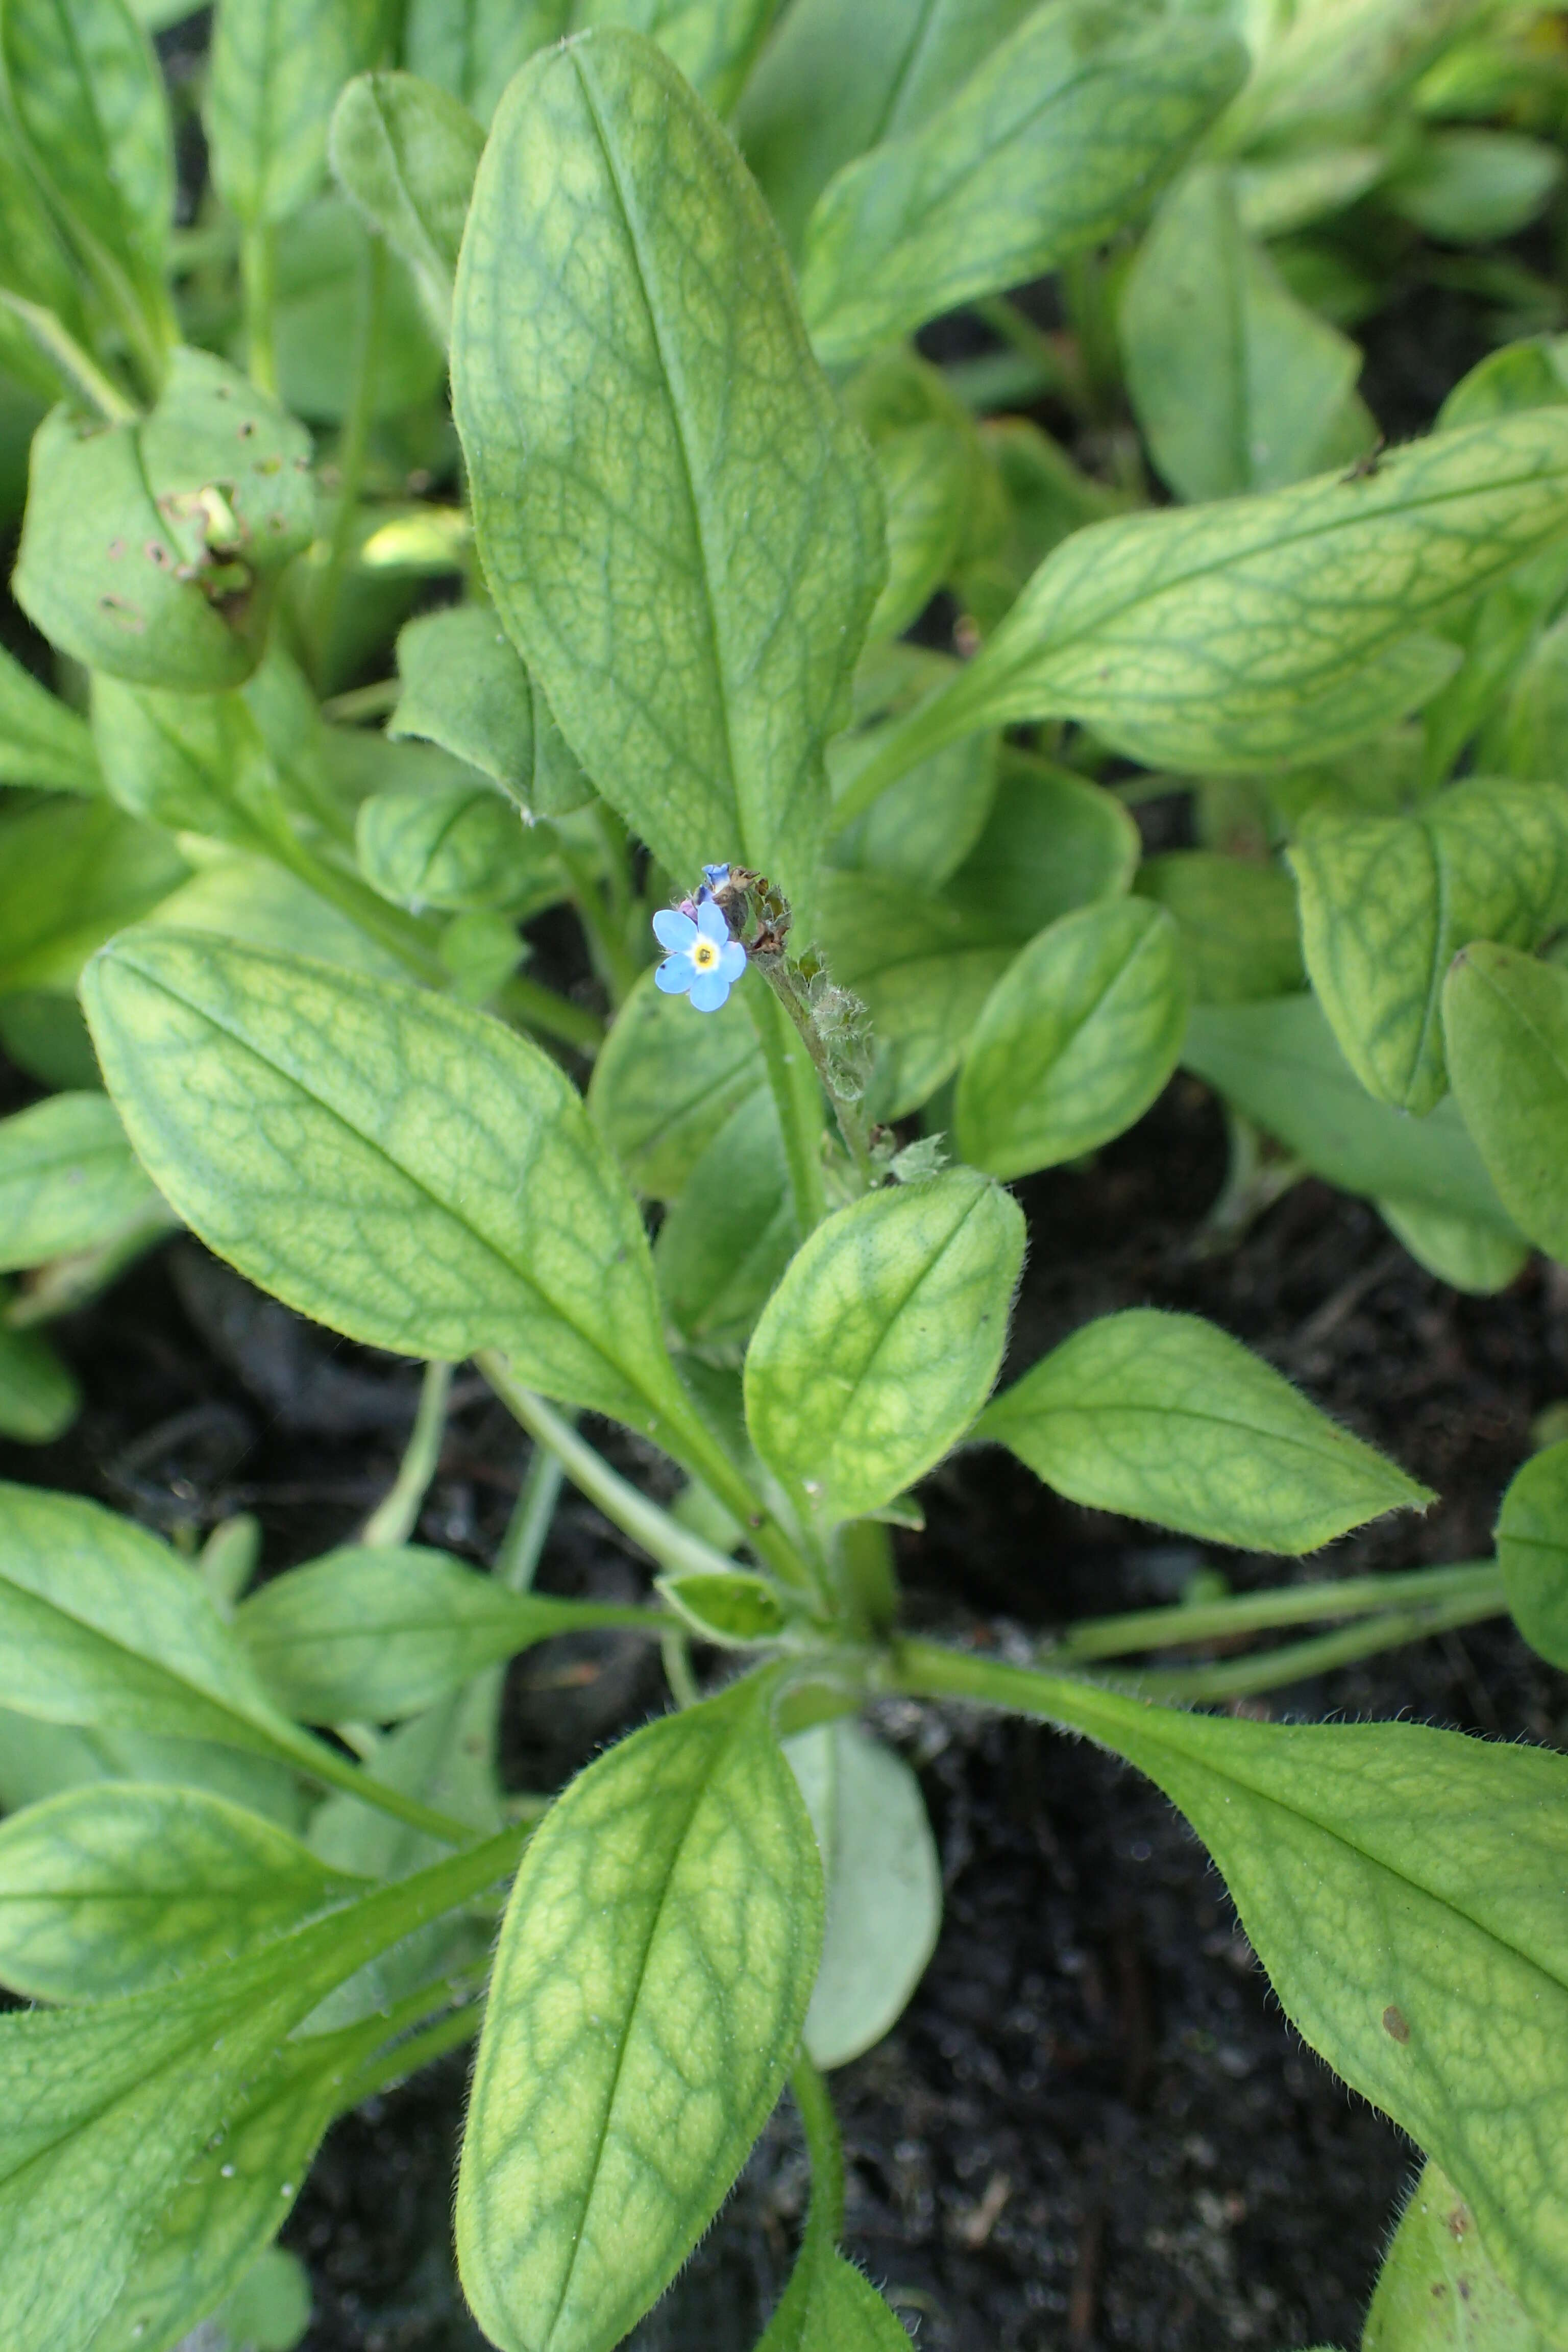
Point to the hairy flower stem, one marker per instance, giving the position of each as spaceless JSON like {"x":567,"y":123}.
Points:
{"x":1294,"y":1604}
{"x":799,"y":1106}
{"x":814,"y":2105}
{"x":854,"y":1125}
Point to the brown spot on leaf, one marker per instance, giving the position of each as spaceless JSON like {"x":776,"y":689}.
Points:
{"x":1396,"y":2022}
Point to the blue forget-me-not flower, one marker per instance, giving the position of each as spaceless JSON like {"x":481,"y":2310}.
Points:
{"x":703,"y":962}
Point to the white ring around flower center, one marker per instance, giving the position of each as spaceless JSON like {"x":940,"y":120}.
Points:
{"x":704,"y":954}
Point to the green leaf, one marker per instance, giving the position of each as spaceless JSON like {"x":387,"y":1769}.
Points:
{"x":473,"y":51}
{"x":462,"y":846}
{"x":832,"y":82}
{"x":880,"y":1344}
{"x":68,"y":1180}
{"x":145,"y":547}
{"x":922,"y":828}
{"x":1058,"y":137}
{"x":1468,"y":1256}
{"x":1529,"y":730}
{"x":114,"y":1887}
{"x":742,"y":497}
{"x":110,"y":2108}
{"x":652,"y":1976}
{"x":270,"y":2308}
{"x":1076,"y":1039}
{"x":39,"y":1397}
{"x":89,"y":97}
{"x":42,"y":741}
{"x":370,"y":1636}
{"x":1052,"y":843}
{"x":465,"y":689}
{"x":730,"y":1232}
{"x":1387,"y":902}
{"x":1164,"y":1417}
{"x":1225,"y":637}
{"x":72,"y":873}
{"x":250,"y":900}
{"x":1437,"y":2290}
{"x":1237,"y":386}
{"x":829,"y":2307}
{"x":925,"y":474}
{"x":1468,"y":187}
{"x":191,"y":763}
{"x":406,"y":153}
{"x":1441,"y":1993}
{"x":1237,"y":923}
{"x":883,"y":1880}
{"x":924,"y":969}
{"x":1505,"y":1019}
{"x":103,"y":1625}
{"x":398,"y":1166}
{"x":665,"y":1082}
{"x":1531,"y":374}
{"x":738,"y":1608}
{"x":324,"y":292}
{"x":1280,"y":1066}
{"x":1532,"y":1551}
{"x":277,"y":68}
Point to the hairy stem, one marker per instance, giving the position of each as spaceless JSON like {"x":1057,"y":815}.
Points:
{"x":394,"y":1520}
{"x":799,"y":1106}
{"x":853,"y":1124}
{"x":258,"y":273}
{"x":813,"y":2104}
{"x":1295,"y":1661}
{"x":529,"y":1525}
{"x":1294,"y":1604}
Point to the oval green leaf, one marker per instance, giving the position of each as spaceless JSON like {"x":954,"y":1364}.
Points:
{"x":1076,"y":1039}
{"x":39,"y":1397}
{"x":1532,"y":1551}
{"x":1505,"y":1020}
{"x":400,"y":1168}
{"x":652,"y":1976}
{"x":1166,"y":1418}
{"x":464,"y":687}
{"x":665,"y":1083}
{"x":406,"y":153}
{"x":691,"y":593}
{"x":880,"y":1344}
{"x":1438,"y":2290}
{"x":277,"y":68}
{"x":68,"y":1179}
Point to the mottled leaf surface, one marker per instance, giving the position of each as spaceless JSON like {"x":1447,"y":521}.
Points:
{"x":115,"y":1888}
{"x":68,"y":1180}
{"x":1387,"y":903}
{"x":881,"y":1342}
{"x":680,"y":528}
{"x":653,"y":1969}
{"x":1076,"y":1039}
{"x":277,"y":68}
{"x":1505,"y":1020}
{"x":1165,"y":1417}
{"x":464,"y":687}
{"x":406,"y":153}
{"x":400,"y":1168}
{"x":1061,"y":135}
{"x":923,"y":967}
{"x":1438,"y":2290}
{"x":1237,"y":922}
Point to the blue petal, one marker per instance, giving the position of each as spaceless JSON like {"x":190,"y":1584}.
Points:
{"x":709,"y":991}
{"x":673,"y":930}
{"x":732,"y":962}
{"x":675,"y":975}
{"x":711,"y":923}
{"x":717,"y":875}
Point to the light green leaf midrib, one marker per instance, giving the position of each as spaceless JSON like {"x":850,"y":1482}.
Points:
{"x":1430,"y":1010}
{"x":701,"y":523}
{"x":698,"y":1793}
{"x":445,"y":1207}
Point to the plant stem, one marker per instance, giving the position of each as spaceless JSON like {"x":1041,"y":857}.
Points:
{"x":334,"y":1771}
{"x":853,"y":1124}
{"x":406,"y":2058}
{"x":799,"y":1106}
{"x":617,"y":967}
{"x":394,"y":1520}
{"x":1295,"y":1604}
{"x":1295,"y":1661}
{"x":361,"y":702}
{"x":59,"y":346}
{"x":675,"y":1652}
{"x":258,"y":272}
{"x":1011,"y":326}
{"x":524,"y":1001}
{"x":814,"y":2104}
{"x":352,"y":447}
{"x":530,"y":1523}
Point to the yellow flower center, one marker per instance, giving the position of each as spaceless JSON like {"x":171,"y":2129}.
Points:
{"x":704,"y":954}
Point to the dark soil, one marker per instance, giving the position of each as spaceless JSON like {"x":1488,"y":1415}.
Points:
{"x":1093,"y":2125}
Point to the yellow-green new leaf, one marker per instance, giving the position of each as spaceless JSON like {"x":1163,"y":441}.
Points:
{"x":1224,"y":637}
{"x":401,"y":1169}
{"x":1166,"y":1418}
{"x":1387,"y":903}
{"x":680,"y":528}
{"x":653,"y":1969}
{"x":368,"y":1634}
{"x":1532,"y":1551}
{"x":406,"y":153}
{"x":1062,"y":133}
{"x":68,"y":1180}
{"x":881,"y":1342}
{"x":1076,"y":1039}
{"x":830,"y":2307}
{"x":117,"y":1886}
{"x":1505,"y":1020}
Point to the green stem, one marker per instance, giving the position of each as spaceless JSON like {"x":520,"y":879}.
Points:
{"x":814,"y":2104}
{"x":362,"y":702}
{"x":1011,"y":326}
{"x":394,"y":1520}
{"x":353,"y":448}
{"x":675,"y":1652}
{"x":1295,"y":1661}
{"x":334,"y":1771}
{"x":406,"y":2058}
{"x":529,"y":1525}
{"x":853,"y":1124}
{"x":523,"y":1001}
{"x":59,"y":346}
{"x":617,"y":967}
{"x":1294,"y":1604}
{"x":258,"y":273}
{"x":799,"y":1106}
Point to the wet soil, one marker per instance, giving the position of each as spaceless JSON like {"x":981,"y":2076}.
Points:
{"x":1093,"y":2126}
